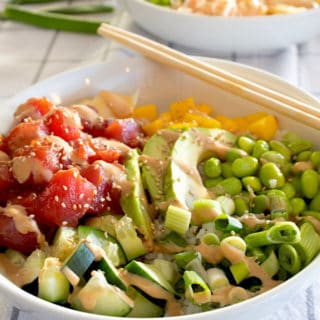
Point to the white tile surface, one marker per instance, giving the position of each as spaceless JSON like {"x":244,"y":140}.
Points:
{"x":29,"y":54}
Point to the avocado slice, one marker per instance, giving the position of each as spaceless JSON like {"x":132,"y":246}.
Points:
{"x":134,"y":201}
{"x":154,"y":158}
{"x":183,"y":183}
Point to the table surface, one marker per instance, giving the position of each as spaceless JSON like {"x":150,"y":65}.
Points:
{"x":29,"y":54}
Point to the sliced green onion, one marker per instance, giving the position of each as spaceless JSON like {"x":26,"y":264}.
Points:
{"x":281,"y":232}
{"x":271,"y":264}
{"x":50,"y":20}
{"x":32,"y":1}
{"x":289,"y":258}
{"x":196,"y":290}
{"x":278,"y":204}
{"x":217,"y":278}
{"x":225,"y":222}
{"x":238,"y":294}
{"x":177,"y":219}
{"x":239,"y":271}
{"x":175,"y":238}
{"x":309,"y":245}
{"x":196,"y":266}
{"x":82,"y":9}
{"x":210,"y":239}
{"x":183,"y":258}
{"x":205,"y":210}
{"x":257,"y":253}
{"x":227,"y":204}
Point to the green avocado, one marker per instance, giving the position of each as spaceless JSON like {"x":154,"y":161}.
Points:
{"x":182,"y":182}
{"x":154,"y":157}
{"x":134,"y":201}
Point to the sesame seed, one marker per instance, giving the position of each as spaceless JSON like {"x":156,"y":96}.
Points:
{"x":80,"y":206}
{"x":66,"y":130}
{"x":102,"y":199}
{"x":95,"y":192}
{"x":65,"y":188}
{"x":81,"y":196}
{"x":86,"y":205}
{"x":74,"y":206}
{"x":63,"y":205}
{"x":64,"y":223}
{"x":56,"y":198}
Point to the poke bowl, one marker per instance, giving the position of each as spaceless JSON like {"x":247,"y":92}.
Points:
{"x":225,"y":34}
{"x":195,"y":253}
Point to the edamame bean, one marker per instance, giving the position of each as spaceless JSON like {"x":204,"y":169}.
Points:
{"x":273,"y":156}
{"x":314,"y":204}
{"x":235,"y":153}
{"x":277,"y":145}
{"x":260,"y":203}
{"x":289,"y":190}
{"x":309,"y":183}
{"x":212,"y":182}
{"x":241,"y":206}
{"x":271,"y":176}
{"x":245,"y":166}
{"x":246,"y":144}
{"x":304,"y":155}
{"x":296,"y":144}
{"x":212,"y":167}
{"x":252,"y":183}
{"x":296,"y":184}
{"x":226,"y":169}
{"x":232,"y":186}
{"x":260,"y":147}
{"x":315,"y":158}
{"x":297,"y":205}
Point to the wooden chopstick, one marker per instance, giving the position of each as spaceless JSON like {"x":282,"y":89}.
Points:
{"x":218,"y":77}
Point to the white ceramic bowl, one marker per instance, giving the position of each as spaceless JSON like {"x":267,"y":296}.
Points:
{"x":127,"y":73}
{"x":223,"y":35}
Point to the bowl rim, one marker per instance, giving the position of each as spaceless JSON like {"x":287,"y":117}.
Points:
{"x":262,"y":18}
{"x":17,"y":293}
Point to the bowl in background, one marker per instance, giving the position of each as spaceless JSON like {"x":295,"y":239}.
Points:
{"x":161,"y":85}
{"x":225,"y":35}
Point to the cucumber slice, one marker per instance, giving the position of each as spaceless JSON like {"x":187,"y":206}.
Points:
{"x":78,"y":263}
{"x":109,"y":244}
{"x":150,"y":272}
{"x":111,"y":273}
{"x":127,"y":236}
{"x":105,"y":223}
{"x":53,"y":285}
{"x":64,"y":242}
{"x":143,"y":308}
{"x":99,"y":297}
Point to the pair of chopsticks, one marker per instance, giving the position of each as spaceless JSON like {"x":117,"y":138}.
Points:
{"x":215,"y":76}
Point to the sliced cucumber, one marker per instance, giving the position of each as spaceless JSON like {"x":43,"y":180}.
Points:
{"x":53,"y":285}
{"x":99,"y":297}
{"x":127,"y":236}
{"x":109,"y":244}
{"x":64,"y":242}
{"x":111,"y":273}
{"x":32,"y":266}
{"x":105,"y":223}
{"x":150,"y":272}
{"x":134,"y":202}
{"x":78,"y":263}
{"x":143,"y":308}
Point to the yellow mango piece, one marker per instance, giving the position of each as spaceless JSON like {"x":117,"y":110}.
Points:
{"x":264,"y":128}
{"x":152,"y":127}
{"x":165,"y":116}
{"x":255,"y":116}
{"x":204,"y":108}
{"x":202,"y":121}
{"x":227,"y":123}
{"x":180,"y":108}
{"x":148,"y":111}
{"x":182,"y":125}
{"x":241,"y":123}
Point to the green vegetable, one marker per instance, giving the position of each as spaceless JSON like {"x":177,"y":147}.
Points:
{"x":82,"y":9}
{"x":50,"y":20}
